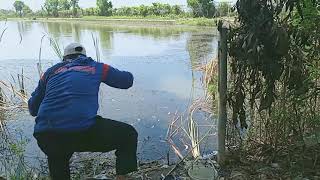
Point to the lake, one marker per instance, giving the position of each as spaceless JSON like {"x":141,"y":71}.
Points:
{"x":161,"y":58}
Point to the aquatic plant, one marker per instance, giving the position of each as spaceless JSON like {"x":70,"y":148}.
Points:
{"x":8,"y":101}
{"x":12,"y":157}
{"x":39,"y":64}
{"x":96,"y":47}
{"x":178,"y":123}
{"x":2,"y":33}
{"x":21,"y":82}
{"x":56,"y":48}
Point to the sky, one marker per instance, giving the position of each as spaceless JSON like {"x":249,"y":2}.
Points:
{"x":36,"y":4}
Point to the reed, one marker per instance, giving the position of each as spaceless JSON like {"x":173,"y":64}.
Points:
{"x":21,"y":82}
{"x":1,"y":92}
{"x":39,"y":64}
{"x":10,"y":101}
{"x":2,"y":33}
{"x":56,"y":48}
{"x":177,"y":126}
{"x":1,"y":98}
{"x":194,"y":135}
{"x":20,"y":38}
{"x":95,"y":43}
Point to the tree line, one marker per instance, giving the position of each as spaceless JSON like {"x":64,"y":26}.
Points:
{"x":71,"y":8}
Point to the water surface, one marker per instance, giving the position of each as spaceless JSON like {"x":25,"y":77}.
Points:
{"x":161,"y":59}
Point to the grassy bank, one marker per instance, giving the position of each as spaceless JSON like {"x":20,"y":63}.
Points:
{"x":175,"y":20}
{"x":150,"y":20}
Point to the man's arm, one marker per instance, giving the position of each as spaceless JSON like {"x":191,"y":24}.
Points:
{"x":115,"y":78}
{"x":36,"y":98}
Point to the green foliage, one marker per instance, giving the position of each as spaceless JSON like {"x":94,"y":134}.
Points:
{"x":7,"y":13}
{"x":64,"y":5}
{"x":75,"y":7}
{"x":18,"y":5}
{"x":65,"y":13}
{"x":26,"y":11}
{"x":22,"y":9}
{"x":202,"y":8}
{"x":52,"y":7}
{"x":13,"y":163}
{"x":198,"y":22}
{"x":90,"y":12}
{"x":275,"y":67}
{"x":70,"y":8}
{"x":224,"y":8}
{"x":104,"y":7}
{"x":59,"y":8}
{"x":159,"y":9}
{"x":177,"y":10}
{"x":306,"y":32}
{"x":156,"y":9}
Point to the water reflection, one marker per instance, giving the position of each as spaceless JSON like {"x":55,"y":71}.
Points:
{"x":24,"y":28}
{"x":66,"y":29}
{"x":54,"y":30}
{"x":76,"y":32}
{"x":106,"y":38}
{"x":199,"y":45}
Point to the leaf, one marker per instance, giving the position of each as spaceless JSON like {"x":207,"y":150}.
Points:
{"x":250,"y":38}
{"x":244,"y":45}
{"x":299,"y":9}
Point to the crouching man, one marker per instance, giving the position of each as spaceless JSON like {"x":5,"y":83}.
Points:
{"x":65,"y":104}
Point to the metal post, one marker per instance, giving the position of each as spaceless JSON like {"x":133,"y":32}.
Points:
{"x":222,"y":88}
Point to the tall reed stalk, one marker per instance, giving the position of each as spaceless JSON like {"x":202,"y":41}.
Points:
{"x":21,"y":82}
{"x":1,"y":98}
{"x":95,"y":43}
{"x":39,"y":64}
{"x":56,"y":48}
{"x":194,"y":135}
{"x":3,"y":33}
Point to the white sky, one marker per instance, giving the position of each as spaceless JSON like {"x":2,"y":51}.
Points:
{"x":36,"y":4}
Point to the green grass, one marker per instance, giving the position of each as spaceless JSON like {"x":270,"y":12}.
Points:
{"x":135,"y":17}
{"x":198,"y":22}
{"x":157,"y":20}
{"x":174,"y":19}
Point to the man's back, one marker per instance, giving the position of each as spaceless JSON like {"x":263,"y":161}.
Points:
{"x":69,"y":94}
{"x":66,"y":104}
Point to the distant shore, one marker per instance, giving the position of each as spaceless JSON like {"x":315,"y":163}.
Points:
{"x":129,"y":20}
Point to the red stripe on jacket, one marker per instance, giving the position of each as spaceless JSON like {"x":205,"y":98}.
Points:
{"x":105,"y":72}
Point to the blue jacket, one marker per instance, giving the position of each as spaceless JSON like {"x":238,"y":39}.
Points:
{"x":66,"y":98}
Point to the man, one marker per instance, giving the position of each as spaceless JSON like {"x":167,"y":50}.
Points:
{"x":65,"y":104}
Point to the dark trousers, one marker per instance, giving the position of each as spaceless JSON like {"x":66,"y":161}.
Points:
{"x":106,"y":135}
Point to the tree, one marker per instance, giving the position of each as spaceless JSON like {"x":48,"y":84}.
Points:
{"x":176,"y":9}
{"x":143,"y":10}
{"x":273,"y":51}
{"x":51,"y":6}
{"x":18,"y":5}
{"x":7,"y":13}
{"x":64,"y":5}
{"x":26,"y":10}
{"x":90,"y":11}
{"x":75,"y":6}
{"x":223,"y":9}
{"x":104,"y":7}
{"x":202,"y":8}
